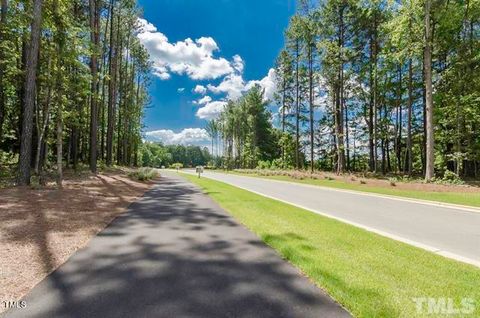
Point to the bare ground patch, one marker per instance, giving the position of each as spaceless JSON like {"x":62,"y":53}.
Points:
{"x":41,"y":229}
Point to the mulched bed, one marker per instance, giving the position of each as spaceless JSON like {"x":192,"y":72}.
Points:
{"x":41,"y":228}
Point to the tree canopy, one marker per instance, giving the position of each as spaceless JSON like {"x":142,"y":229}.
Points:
{"x":380,"y":86}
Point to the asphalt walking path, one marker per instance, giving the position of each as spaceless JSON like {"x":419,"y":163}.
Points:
{"x":175,"y":253}
{"x":449,"y":231}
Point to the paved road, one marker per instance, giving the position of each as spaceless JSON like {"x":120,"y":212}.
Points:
{"x":447,"y":231}
{"x":175,"y":253}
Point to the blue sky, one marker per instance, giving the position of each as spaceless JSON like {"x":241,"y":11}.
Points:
{"x":224,"y":46}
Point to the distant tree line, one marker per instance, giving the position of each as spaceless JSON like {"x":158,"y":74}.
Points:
{"x":73,"y":79}
{"x":157,"y":155}
{"x":380,"y":86}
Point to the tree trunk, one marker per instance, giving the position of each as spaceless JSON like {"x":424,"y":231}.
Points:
{"x":94,"y":38}
{"x":25,"y":158}
{"x":399,"y":122}
{"x":429,"y":169}
{"x":111,"y":88}
{"x":59,"y":146}
{"x":297,"y":107}
{"x":339,"y":101}
{"x":284,"y":91}
{"x":371,"y":144}
{"x":104,"y":72}
{"x":408,"y":154}
{"x":59,"y":83}
{"x":375,"y":93}
{"x":310,"y":99}
{"x":42,"y":129}
{"x":3,"y":23}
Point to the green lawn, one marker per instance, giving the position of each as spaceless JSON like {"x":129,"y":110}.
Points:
{"x":462,"y":198}
{"x":370,"y":275}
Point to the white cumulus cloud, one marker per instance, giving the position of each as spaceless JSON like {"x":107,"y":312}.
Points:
{"x":267,"y":84}
{"x":203,"y":100}
{"x":211,"y":110}
{"x":234,"y":86}
{"x":238,"y":63}
{"x":200,"y":89}
{"x":146,"y":26}
{"x":188,"y":136}
{"x":194,"y":58}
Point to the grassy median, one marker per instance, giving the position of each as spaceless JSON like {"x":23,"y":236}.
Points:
{"x":370,"y":275}
{"x":460,"y":198}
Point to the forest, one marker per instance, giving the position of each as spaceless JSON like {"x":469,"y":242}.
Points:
{"x":385,"y":87}
{"x":73,"y":79}
{"x":157,"y":155}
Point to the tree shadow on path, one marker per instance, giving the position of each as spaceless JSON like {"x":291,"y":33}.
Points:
{"x":175,"y":253}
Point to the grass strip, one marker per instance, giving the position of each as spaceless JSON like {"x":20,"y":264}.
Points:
{"x":370,"y":275}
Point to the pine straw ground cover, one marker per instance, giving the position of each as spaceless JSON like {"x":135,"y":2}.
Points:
{"x":41,"y":228}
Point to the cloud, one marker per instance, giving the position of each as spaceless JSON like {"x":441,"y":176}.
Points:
{"x":203,"y":100}
{"x":146,"y":26}
{"x":188,"y":136}
{"x":195,"y":58}
{"x":211,"y":110}
{"x":181,"y":89}
{"x":238,"y":63}
{"x":200,"y":89}
{"x":234,"y":86}
{"x":267,"y":84}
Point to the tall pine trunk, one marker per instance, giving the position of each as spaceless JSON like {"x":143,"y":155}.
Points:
{"x":297,"y":106}
{"x":3,"y":23}
{"x":24,"y":164}
{"x":339,"y":99}
{"x":310,"y":100}
{"x":94,"y":38}
{"x":111,"y":88}
{"x":429,"y":168}
{"x":59,"y":84}
{"x":408,"y":153}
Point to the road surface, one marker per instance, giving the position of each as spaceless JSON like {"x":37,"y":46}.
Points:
{"x":175,"y":253}
{"x":448,"y":231}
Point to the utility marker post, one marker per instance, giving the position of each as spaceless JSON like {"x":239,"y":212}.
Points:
{"x":199,"y":170}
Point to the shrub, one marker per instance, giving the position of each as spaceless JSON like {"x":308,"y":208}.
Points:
{"x":143,"y":174}
{"x":177,"y":165}
{"x":263,"y":165}
{"x":450,"y":177}
{"x":393,"y":181}
{"x":276,"y":164}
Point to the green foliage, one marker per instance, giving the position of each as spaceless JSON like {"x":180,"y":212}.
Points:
{"x":368,"y":77}
{"x":144,"y":174}
{"x":64,"y":80}
{"x":392,"y":181}
{"x":246,"y":125}
{"x":450,"y":177}
{"x":263,"y":164}
{"x":157,"y":155}
{"x":177,"y":165}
